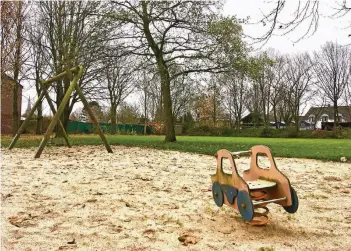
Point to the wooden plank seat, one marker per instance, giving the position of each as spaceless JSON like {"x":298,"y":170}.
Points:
{"x":260,"y":184}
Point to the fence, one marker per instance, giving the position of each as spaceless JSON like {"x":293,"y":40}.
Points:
{"x":82,"y":127}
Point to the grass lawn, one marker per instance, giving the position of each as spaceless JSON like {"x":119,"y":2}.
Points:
{"x":324,"y":149}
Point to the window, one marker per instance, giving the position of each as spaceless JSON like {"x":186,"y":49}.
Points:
{"x":340,"y":118}
{"x":324,"y":118}
{"x":311,"y":118}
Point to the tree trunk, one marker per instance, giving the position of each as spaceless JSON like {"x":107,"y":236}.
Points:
{"x":144,"y":127}
{"x":265,"y":114}
{"x":145,"y":113}
{"x":39,"y":126}
{"x":336,"y":113}
{"x":297,"y":122}
{"x":15,"y":114}
{"x":66,"y":119}
{"x":59,"y":96}
{"x":113,"y":119}
{"x":214,"y":109}
{"x":16,"y":70}
{"x":237,"y":122}
{"x":167,"y":101}
{"x":168,"y":114}
{"x":164,"y":75}
{"x":67,"y":111}
{"x":275,"y":117}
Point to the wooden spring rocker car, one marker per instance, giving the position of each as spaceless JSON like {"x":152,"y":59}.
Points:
{"x":257,"y":188}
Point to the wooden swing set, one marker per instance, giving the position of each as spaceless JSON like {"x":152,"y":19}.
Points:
{"x":74,"y":75}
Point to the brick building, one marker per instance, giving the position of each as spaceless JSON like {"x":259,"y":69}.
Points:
{"x":7,"y":84}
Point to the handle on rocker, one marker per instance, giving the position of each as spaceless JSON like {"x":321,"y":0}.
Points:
{"x":255,"y":150}
{"x":225,"y":154}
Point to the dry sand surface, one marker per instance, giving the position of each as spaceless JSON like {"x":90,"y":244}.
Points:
{"x":84,"y":198}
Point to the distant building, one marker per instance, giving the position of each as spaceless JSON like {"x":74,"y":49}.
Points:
{"x":316,"y":115}
{"x":250,"y":120}
{"x":7,"y":86}
{"x":29,"y":108}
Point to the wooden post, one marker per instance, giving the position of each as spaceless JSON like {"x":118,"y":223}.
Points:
{"x":59,"y":113}
{"x":93,"y":118}
{"x":52,"y":107}
{"x":25,"y":122}
{"x":60,"y":76}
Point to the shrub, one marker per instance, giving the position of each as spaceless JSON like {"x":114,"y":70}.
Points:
{"x":289,"y":132}
{"x":267,"y":133}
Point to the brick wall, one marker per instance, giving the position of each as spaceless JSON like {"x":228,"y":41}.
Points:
{"x":7,"y":85}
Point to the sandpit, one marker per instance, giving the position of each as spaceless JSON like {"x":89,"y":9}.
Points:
{"x":84,"y":198}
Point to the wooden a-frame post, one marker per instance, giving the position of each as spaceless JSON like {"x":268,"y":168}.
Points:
{"x":56,"y":119}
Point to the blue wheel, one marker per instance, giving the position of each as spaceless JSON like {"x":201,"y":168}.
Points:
{"x":217,"y":194}
{"x":295,"y":202}
{"x":245,"y":205}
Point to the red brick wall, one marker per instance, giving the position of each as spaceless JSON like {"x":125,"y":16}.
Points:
{"x":7,"y":104}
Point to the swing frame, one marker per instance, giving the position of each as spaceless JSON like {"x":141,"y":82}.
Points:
{"x":74,"y":75}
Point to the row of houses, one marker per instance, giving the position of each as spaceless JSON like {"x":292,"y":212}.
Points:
{"x":315,"y":118}
{"x":318,"y":117}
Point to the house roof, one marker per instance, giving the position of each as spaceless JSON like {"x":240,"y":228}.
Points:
{"x":345,"y":111}
{"x":5,"y":77}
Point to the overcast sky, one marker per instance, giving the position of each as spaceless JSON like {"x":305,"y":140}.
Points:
{"x":328,"y":29}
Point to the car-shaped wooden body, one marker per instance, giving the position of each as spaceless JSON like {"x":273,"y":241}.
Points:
{"x":255,"y":189}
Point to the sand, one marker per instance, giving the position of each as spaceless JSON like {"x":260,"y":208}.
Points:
{"x":84,"y":198}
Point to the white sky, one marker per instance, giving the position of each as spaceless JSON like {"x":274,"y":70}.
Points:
{"x":328,"y":29}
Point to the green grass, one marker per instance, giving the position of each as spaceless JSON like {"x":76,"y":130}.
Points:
{"x":324,"y":149}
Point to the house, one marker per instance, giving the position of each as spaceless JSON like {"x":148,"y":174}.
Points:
{"x":251,"y":120}
{"x":7,"y":86}
{"x":316,"y":115}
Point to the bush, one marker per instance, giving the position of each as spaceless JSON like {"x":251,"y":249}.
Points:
{"x":267,"y":133}
{"x":336,"y":134}
{"x":289,"y":132}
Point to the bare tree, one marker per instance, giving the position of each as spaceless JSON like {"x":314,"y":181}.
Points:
{"x":173,"y":32}
{"x":333,"y":71}
{"x":214,"y":94}
{"x":284,"y":108}
{"x":284,"y":17}
{"x":299,"y":83}
{"x":38,"y":62}
{"x":347,"y":97}
{"x":265,"y":82}
{"x":278,"y":70}
{"x":120,"y":79}
{"x":8,"y":38}
{"x":145,"y":88}
{"x":259,"y":93}
{"x":12,"y":52}
{"x":183,"y":90}
{"x":236,"y":88}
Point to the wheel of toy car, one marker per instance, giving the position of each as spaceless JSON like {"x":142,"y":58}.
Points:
{"x":245,"y":205}
{"x":295,"y":202}
{"x":217,"y":194}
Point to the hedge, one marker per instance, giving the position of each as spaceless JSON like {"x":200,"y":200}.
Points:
{"x":267,"y":132}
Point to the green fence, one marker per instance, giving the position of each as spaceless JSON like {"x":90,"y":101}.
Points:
{"x":81,"y":127}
